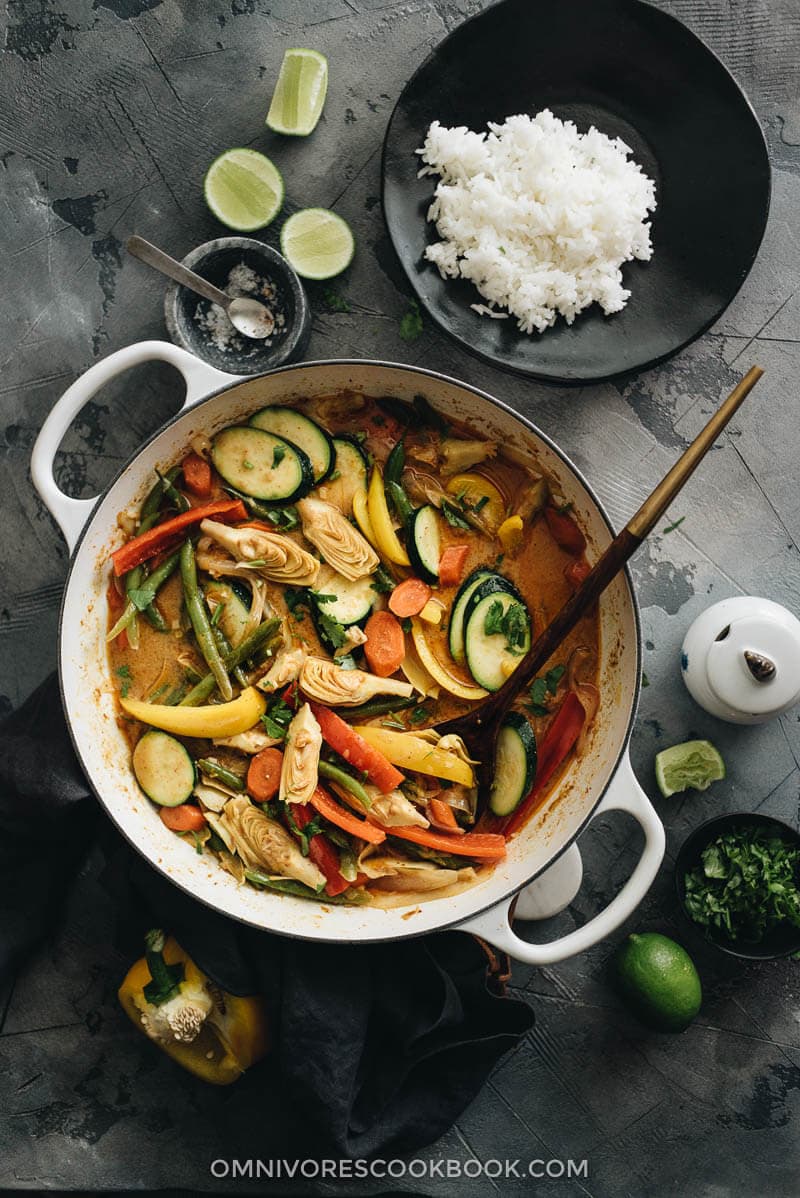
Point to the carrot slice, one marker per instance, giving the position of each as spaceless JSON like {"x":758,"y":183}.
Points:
{"x":148,"y":544}
{"x":322,"y":802}
{"x":264,"y":775}
{"x":564,"y":530}
{"x":385,"y":647}
{"x":441,"y":816}
{"x":451,"y":564}
{"x":186,"y":818}
{"x":408,"y":598}
{"x":484,"y":846}
{"x":353,"y":748}
{"x":197,"y":475}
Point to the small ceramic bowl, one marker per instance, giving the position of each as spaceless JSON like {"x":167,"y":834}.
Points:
{"x":781,"y":940}
{"x":199,"y":326}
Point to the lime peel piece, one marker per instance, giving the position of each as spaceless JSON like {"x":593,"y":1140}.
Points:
{"x":300,"y":91}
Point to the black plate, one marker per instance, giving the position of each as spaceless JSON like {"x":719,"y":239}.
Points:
{"x":636,"y":73}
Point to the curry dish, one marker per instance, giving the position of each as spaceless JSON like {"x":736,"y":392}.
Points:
{"x":298,"y":604}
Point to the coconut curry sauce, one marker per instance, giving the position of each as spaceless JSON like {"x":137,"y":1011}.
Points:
{"x":300,"y":601}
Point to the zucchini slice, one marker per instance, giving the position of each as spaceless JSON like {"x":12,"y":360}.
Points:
{"x":352,"y":600}
{"x":456,"y":630}
{"x":492,"y":652}
{"x":424,"y":542}
{"x":261,"y":464}
{"x":349,"y":475}
{"x":235,"y":615}
{"x":302,"y":432}
{"x":514,"y":764}
{"x":461,"y":604}
{"x":163,"y":769}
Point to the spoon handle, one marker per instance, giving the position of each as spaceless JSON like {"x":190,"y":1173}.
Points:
{"x":151,"y":255}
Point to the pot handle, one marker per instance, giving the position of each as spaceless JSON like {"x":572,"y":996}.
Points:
{"x":201,"y":380}
{"x":623,"y":794}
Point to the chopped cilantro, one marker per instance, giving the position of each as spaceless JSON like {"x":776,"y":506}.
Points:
{"x":411,"y":322}
{"x":541,"y":687}
{"x":277,"y":718}
{"x":677,"y":523}
{"x":484,"y":499}
{"x":320,"y":598}
{"x":297,"y":603}
{"x":217,"y":616}
{"x":278,"y":454}
{"x":418,"y":715}
{"x":645,"y":679}
{"x":248,"y":465}
{"x":304,"y":835}
{"x":382,"y":581}
{"x":332,"y":477}
{"x":124,"y":673}
{"x":334,"y":302}
{"x":510,"y":622}
{"x":406,"y":624}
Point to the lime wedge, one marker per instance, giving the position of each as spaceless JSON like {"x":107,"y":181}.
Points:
{"x":244,"y":190}
{"x":299,"y":93}
{"x":318,"y":243}
{"x":695,"y":763}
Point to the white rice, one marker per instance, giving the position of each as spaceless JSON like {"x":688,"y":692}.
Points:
{"x":537,"y":215}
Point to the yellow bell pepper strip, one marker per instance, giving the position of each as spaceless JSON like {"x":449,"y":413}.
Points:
{"x":510,"y":534}
{"x":413,"y":753}
{"x":214,"y":1035}
{"x":432,"y":612}
{"x":386,"y":539}
{"x":361,"y":513}
{"x":219,"y":719}
{"x":462,"y":690}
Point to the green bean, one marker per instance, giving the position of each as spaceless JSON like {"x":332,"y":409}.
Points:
{"x":346,"y":781}
{"x":224,"y":646}
{"x":395,"y":463}
{"x":140,"y":598}
{"x":198,"y":614}
{"x":250,"y":645}
{"x":214,"y":770}
{"x":350,"y":898}
{"x":377,"y":707}
{"x":148,"y":516}
{"x":171,"y":492}
{"x":400,"y":502}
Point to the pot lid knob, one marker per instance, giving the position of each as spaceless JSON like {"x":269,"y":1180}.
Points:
{"x":753,"y":663}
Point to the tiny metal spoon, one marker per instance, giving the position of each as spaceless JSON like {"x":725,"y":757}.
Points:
{"x":247,"y":316}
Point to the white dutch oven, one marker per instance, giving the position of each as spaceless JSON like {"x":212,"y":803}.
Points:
{"x":601,"y":779}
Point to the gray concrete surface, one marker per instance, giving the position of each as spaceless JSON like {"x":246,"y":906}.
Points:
{"x":110,"y":111}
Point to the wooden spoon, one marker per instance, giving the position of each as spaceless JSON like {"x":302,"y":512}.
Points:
{"x":478,"y":728}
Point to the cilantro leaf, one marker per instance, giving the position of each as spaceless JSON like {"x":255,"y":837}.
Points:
{"x":277,"y":718}
{"x":278,"y":454}
{"x":382,"y":581}
{"x":411,"y":322}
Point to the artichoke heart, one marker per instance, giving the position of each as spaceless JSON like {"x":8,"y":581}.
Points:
{"x":300,"y":770}
{"x":342,"y":545}
{"x":393,"y":810}
{"x":285,"y":669}
{"x":326,"y":682}
{"x":460,"y":455}
{"x":262,"y":843}
{"x":273,"y":554}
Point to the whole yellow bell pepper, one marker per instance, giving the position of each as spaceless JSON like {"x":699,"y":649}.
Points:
{"x":212,"y":1034}
{"x":218,"y":719}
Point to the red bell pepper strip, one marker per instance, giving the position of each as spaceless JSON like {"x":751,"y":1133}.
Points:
{"x":148,"y":544}
{"x":348,"y":744}
{"x":564,"y":530}
{"x":321,"y":852}
{"x":577,"y":572}
{"x":322,"y":802}
{"x":558,"y":742}
{"x":486,"y":846}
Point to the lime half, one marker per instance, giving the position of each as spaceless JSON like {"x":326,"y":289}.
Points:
{"x":695,"y":763}
{"x":299,"y":93}
{"x":244,"y":190}
{"x":318,"y":243}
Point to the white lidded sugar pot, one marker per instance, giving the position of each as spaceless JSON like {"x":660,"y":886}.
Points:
{"x":741,"y":660}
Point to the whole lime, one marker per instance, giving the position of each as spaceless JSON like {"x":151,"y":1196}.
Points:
{"x":659,"y":980}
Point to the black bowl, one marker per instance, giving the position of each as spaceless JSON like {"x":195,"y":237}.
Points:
{"x":636,"y":73}
{"x":781,"y":940}
{"x":214,"y":261}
